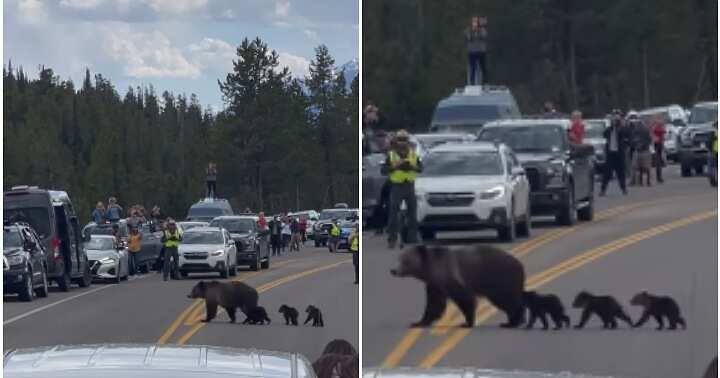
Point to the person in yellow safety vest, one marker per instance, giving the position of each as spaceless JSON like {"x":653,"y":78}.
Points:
{"x":355,"y":249}
{"x":171,"y":239}
{"x":334,"y":236}
{"x":402,"y":166}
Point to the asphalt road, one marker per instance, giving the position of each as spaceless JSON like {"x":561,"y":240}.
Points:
{"x":149,"y":310}
{"x":661,"y":239}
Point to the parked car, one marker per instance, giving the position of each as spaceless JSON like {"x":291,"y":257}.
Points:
{"x":152,"y":361}
{"x":473,"y":186}
{"x":674,"y":118}
{"x":108,"y":259}
{"x":594,"y":129}
{"x":52,"y":216}
{"x":696,"y":137}
{"x":323,"y":225}
{"x":560,"y":174}
{"x":207,"y":209}
{"x":428,"y":141}
{"x":24,"y":263}
{"x":190,"y":225}
{"x":207,"y":249}
{"x":311,"y":216}
{"x":469,"y":108}
{"x":346,"y":228}
{"x":150,"y":244}
{"x":251,"y":247}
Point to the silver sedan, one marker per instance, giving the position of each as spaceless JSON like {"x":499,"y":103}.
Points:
{"x":108,"y":259}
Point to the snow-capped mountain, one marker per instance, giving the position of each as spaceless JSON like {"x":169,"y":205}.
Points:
{"x":351,"y":69}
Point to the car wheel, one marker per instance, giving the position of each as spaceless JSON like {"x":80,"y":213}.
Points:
{"x":266,"y":264}
{"x":118,"y":274}
{"x":507,"y":233}
{"x":524,"y":228}
{"x":225,"y":271}
{"x":712,"y":177}
{"x":427,"y":235}
{"x":568,"y":213}
{"x":26,"y":293}
{"x":685,"y":170}
{"x":183,"y":274}
{"x":317,"y":244}
{"x":699,"y":169}
{"x":43,"y":290}
{"x":64,"y":281}
{"x":86,"y":279}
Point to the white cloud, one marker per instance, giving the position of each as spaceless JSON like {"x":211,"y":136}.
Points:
{"x":212,"y":52}
{"x":81,"y":4}
{"x":299,"y":66}
{"x":147,"y":55}
{"x":32,"y":12}
{"x":228,"y":14}
{"x":311,"y":34}
{"x":282,"y":8}
{"x":177,"y":6}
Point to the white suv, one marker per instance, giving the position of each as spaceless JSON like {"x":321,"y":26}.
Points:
{"x":473,"y":186}
{"x":207,"y":249}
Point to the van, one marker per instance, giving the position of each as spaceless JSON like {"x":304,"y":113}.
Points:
{"x":469,"y":108}
{"x":53,"y":217}
{"x":208,"y":209}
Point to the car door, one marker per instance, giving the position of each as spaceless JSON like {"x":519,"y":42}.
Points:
{"x":34,"y":249}
{"x":522,"y":189}
{"x":512,"y":183}
{"x":230,"y":247}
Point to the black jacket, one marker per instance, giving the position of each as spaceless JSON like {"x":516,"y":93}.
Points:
{"x":623,"y":138}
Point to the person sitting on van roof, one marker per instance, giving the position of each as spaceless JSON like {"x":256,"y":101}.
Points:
{"x":114,"y":211}
{"x":98,"y":214}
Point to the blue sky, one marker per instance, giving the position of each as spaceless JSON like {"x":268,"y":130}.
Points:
{"x":182,"y":46}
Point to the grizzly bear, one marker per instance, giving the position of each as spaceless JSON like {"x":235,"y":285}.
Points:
{"x":257,"y":315}
{"x":658,"y":307}
{"x":314,"y":314}
{"x":229,"y":295}
{"x":290,"y":313}
{"x":542,"y":305}
{"x":605,"y":307}
{"x":462,"y":273}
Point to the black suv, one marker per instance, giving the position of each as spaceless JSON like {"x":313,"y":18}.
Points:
{"x":251,"y":247}
{"x":560,"y":175}
{"x":24,"y":265}
{"x":51,"y":215}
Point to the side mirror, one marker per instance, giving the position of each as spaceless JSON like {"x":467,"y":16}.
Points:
{"x":29,"y":245}
{"x":518,"y":171}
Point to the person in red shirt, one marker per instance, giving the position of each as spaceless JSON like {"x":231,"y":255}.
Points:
{"x":577,"y":128}
{"x":657,"y":130}
{"x":303,"y":228}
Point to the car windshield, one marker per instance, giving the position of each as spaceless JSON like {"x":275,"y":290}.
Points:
{"x":594,"y":129}
{"x":701,"y":114}
{"x":647,"y":118}
{"x":99,"y":244}
{"x":335,"y":214}
{"x":482,"y":113}
{"x":530,"y":139}
{"x":189,"y":226}
{"x":205,"y":212}
{"x":102,"y":230}
{"x":37,"y":217}
{"x":202,"y":237}
{"x":430,"y":141}
{"x":462,"y":163}
{"x":12,"y":239}
{"x":236,"y":226}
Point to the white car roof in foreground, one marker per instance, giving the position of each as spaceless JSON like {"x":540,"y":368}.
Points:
{"x":467,"y":147}
{"x":529,"y":122}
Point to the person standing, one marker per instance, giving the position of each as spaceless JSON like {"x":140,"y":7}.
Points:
{"x":576,"y":133}
{"x":114,"y":211}
{"x":286,"y":234}
{"x":355,"y":249}
{"x":171,"y":239}
{"x":641,"y":141}
{"x":302,"y":226}
{"x":211,"y":180}
{"x":657,"y":128}
{"x":631,"y":164}
{"x":295,"y":230}
{"x":98,"y":214}
{"x":334,"y":234}
{"x":401,"y":167}
{"x":615,"y":147}
{"x":134,"y":247}
{"x":275,"y":235}
{"x":476,"y":42}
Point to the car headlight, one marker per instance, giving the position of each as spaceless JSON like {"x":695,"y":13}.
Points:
{"x":219,"y":252}
{"x":16,"y":260}
{"x":555,"y":169}
{"x":492,"y":193}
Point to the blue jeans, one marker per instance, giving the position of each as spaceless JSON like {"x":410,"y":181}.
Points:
{"x":476,"y":59}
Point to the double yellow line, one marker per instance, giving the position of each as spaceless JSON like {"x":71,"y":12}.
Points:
{"x":485,"y":311}
{"x":192,"y":315}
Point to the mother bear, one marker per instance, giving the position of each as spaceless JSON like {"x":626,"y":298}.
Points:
{"x":462,"y":273}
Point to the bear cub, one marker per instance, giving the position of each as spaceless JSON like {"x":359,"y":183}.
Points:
{"x":290,"y":314}
{"x":658,"y":307}
{"x":229,"y":295}
{"x":315,"y":315}
{"x":542,"y":305}
{"x":605,"y":307}
{"x":257,"y":315}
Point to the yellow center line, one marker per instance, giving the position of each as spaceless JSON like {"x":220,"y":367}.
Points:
{"x":197,"y":327}
{"x":565,"y":267}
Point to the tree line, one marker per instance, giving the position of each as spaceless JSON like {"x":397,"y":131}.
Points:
{"x":592,"y":55}
{"x":280,"y":143}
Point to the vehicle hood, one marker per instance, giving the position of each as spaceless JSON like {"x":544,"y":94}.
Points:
{"x":466,"y":373}
{"x":240,"y":235}
{"x":11,"y":251}
{"x":700,"y":126}
{"x":99,"y":254}
{"x":456,"y":184}
{"x":200,"y":247}
{"x":539,"y":157}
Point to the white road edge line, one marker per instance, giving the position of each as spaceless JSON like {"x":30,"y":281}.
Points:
{"x":47,"y":306}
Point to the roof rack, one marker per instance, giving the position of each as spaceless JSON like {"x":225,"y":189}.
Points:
{"x":475,"y":90}
{"x":23,"y":187}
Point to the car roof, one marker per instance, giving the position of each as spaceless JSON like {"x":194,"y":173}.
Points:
{"x":203,"y":229}
{"x":477,"y":95}
{"x":210,"y":202}
{"x":95,"y":236}
{"x":707,"y":104}
{"x":529,"y":122}
{"x":149,"y":360}
{"x":478,"y":146}
{"x":441,"y":135}
{"x":463,"y":373}
{"x":659,"y":109}
{"x":230,"y":217}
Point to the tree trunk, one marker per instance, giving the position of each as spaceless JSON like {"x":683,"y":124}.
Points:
{"x":646,"y":88}
{"x":259,"y":186}
{"x":701,"y":79}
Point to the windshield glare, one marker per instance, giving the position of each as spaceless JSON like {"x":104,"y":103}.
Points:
{"x":11,"y":239}
{"x":541,"y":139}
{"x":239,"y":226}
{"x":462,"y":163}
{"x":703,"y":115}
{"x":99,"y":244}
{"x":37,"y":217}
{"x":202,"y":237}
